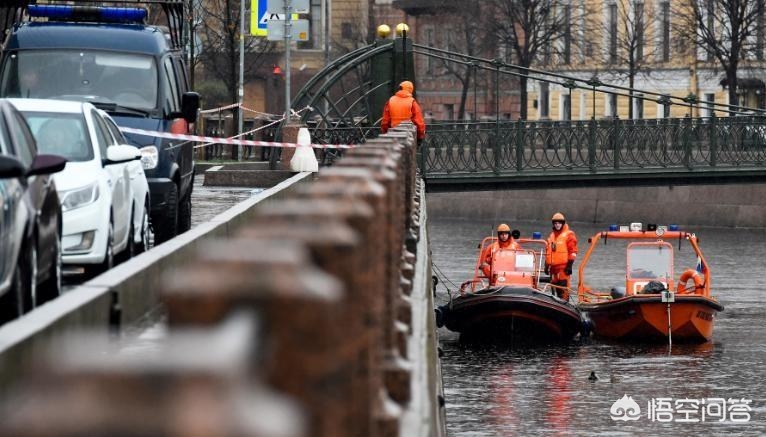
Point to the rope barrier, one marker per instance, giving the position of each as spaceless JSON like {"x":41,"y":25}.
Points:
{"x":206,"y":139}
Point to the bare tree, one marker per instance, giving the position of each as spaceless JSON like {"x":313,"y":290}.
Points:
{"x":531,"y":30}
{"x":627,"y":53}
{"x":219,"y":35}
{"x":726,"y":30}
{"x":467,"y":36}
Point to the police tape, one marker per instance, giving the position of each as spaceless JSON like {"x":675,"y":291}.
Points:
{"x":204,"y":139}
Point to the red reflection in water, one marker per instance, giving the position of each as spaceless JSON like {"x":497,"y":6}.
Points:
{"x":559,"y":397}
{"x":503,"y":413}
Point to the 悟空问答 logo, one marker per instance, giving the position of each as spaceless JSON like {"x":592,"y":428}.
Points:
{"x":625,"y":409}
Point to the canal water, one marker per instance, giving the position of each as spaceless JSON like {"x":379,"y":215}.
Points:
{"x":709,"y":389}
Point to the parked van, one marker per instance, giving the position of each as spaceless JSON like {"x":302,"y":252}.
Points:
{"x":110,"y":57}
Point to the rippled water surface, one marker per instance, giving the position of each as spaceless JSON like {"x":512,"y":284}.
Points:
{"x":505,"y":391}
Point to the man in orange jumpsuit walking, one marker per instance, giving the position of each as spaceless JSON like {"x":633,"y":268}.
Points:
{"x":561,"y":254}
{"x":402,"y":106}
{"x":504,"y":241}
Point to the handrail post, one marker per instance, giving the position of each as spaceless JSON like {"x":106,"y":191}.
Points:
{"x":520,"y":145}
{"x":713,"y":140}
{"x":687,"y":143}
{"x":592,"y":145}
{"x":616,"y":140}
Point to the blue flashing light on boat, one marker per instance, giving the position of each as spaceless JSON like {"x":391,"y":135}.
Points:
{"x":614,"y":228}
{"x":672,"y":227}
{"x":88,"y":13}
{"x":536,"y":235}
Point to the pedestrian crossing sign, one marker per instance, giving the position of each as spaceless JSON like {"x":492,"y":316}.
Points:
{"x":260,"y":16}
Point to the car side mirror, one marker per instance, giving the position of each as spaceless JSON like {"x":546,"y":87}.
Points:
{"x":11,"y":167}
{"x":46,"y":164}
{"x":120,"y":154}
{"x":190,"y":106}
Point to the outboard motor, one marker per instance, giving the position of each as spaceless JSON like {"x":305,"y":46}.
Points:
{"x":617,"y":292}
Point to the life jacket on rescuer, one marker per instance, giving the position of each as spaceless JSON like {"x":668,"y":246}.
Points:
{"x":558,"y":253}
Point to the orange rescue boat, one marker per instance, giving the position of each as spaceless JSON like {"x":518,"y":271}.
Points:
{"x":514,"y":303}
{"x":649,"y":305}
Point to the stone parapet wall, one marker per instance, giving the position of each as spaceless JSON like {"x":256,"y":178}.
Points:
{"x":309,"y":315}
{"x":730,"y":205}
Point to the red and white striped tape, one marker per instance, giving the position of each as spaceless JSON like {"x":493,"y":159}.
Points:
{"x":204,"y":139}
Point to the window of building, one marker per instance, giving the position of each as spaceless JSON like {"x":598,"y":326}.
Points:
{"x":709,"y":105}
{"x":544,"y":109}
{"x":611,"y":107}
{"x":612,"y":33}
{"x":759,"y":31}
{"x":567,"y":52}
{"x":638,"y":106}
{"x":665,"y":31}
{"x":710,"y":23}
{"x":347,"y":30}
{"x":565,"y":107}
{"x":449,"y":111}
{"x":638,"y":26}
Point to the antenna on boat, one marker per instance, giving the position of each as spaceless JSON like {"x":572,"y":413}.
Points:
{"x":669,"y":297}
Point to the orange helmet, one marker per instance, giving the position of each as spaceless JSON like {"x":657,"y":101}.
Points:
{"x":503,"y":228}
{"x":407,"y":86}
{"x":558,"y":217}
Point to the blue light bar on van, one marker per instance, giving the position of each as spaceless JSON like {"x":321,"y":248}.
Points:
{"x":88,"y":13}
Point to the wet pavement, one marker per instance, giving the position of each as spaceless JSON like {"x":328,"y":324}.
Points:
{"x":208,"y":202}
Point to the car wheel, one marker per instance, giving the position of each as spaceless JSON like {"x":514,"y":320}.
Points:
{"x":184,"y":214}
{"x":51,"y":288}
{"x":130,"y":251}
{"x":29,"y":277}
{"x":146,"y":231}
{"x":108,"y":261}
{"x":167,"y":226}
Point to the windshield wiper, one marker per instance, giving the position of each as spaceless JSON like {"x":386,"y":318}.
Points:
{"x":114,"y":108}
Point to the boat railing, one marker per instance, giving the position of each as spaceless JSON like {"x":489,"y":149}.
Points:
{"x":586,"y":295}
{"x":526,"y":261}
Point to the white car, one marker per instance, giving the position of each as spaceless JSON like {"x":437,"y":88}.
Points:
{"x":100,"y":215}
{"x":141,"y":232}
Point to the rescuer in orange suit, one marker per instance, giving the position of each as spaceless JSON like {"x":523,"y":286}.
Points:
{"x":402,"y":106}
{"x":561,"y":254}
{"x":504,"y":241}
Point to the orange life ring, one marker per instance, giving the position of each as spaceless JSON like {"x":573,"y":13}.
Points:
{"x":698,"y":279}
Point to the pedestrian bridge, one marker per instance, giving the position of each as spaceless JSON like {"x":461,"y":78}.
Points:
{"x":343,"y":104}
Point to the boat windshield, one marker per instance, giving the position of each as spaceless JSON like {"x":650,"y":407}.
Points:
{"x":510,"y":260}
{"x":650,"y":261}
{"x":126,"y":79}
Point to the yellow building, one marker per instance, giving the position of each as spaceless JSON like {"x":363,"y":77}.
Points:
{"x":602,"y":36}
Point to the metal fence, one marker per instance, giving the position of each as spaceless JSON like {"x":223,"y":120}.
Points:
{"x":503,"y":147}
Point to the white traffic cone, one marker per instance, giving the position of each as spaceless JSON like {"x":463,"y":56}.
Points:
{"x":304,"y":158}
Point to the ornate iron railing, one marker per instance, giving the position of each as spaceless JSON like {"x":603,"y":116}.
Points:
{"x":452,"y":149}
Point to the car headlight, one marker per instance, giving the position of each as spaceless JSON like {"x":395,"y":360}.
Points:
{"x":79,"y":197}
{"x":149,"y":157}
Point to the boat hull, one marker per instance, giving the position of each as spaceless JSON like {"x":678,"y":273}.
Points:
{"x":512,"y":313}
{"x":644,"y":318}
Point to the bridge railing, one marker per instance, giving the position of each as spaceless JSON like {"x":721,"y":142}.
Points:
{"x":608,"y":145}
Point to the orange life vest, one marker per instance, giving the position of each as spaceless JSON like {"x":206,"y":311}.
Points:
{"x":557,"y":253}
